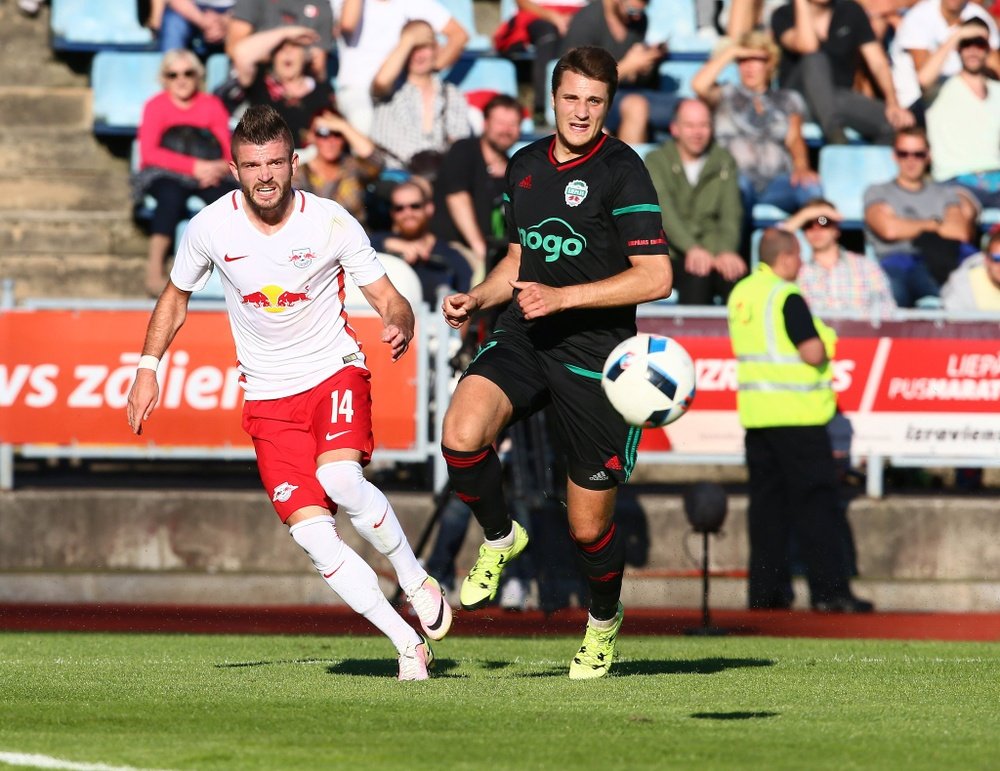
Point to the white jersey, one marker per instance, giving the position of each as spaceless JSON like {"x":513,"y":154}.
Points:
{"x":285,"y":291}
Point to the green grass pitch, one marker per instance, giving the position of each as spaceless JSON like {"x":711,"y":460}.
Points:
{"x":301,"y":702}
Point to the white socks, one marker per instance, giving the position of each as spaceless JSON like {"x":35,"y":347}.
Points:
{"x":351,"y":578}
{"x":373,"y":518}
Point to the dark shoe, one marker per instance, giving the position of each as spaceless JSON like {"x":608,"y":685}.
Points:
{"x":848,"y":603}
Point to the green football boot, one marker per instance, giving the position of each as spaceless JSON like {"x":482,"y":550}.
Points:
{"x":597,"y":653}
{"x":480,"y":586}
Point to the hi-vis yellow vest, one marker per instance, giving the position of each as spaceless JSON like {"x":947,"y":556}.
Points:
{"x":776,"y":388}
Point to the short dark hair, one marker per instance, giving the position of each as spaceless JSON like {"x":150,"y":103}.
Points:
{"x":976,"y":21}
{"x":501,"y":100}
{"x":911,"y":131}
{"x":593,"y":62}
{"x":261,"y":124}
{"x":776,"y":242}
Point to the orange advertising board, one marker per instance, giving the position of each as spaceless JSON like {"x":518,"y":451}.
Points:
{"x":65,"y":377}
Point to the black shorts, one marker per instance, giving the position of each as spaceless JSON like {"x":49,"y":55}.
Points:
{"x":600,"y":447}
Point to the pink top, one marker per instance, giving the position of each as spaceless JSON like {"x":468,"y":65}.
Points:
{"x":160,"y":113}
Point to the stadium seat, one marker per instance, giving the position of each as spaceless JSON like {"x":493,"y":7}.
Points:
{"x":675,"y":76}
{"x":845,"y":172}
{"x":217,"y":67}
{"x":122,"y":82}
{"x":484,"y":73}
{"x":403,"y":277}
{"x":673,"y":22}
{"x":86,"y":25}
{"x":462,"y":11}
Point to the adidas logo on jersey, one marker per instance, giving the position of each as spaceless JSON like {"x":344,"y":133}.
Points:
{"x":525,"y":183}
{"x":600,"y":476}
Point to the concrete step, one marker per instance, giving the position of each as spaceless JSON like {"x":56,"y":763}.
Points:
{"x":44,"y":106}
{"x":88,"y":276}
{"x":29,"y":149}
{"x":210,"y":546}
{"x":65,"y":232}
{"x":80,"y":190}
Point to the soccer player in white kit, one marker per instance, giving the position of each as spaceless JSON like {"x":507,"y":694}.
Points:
{"x":282,"y":254}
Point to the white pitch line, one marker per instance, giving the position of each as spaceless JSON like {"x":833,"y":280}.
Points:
{"x":47,"y":761}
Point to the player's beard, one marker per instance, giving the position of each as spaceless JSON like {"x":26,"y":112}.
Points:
{"x":275,"y":203}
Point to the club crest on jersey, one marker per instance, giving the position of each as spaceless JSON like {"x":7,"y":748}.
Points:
{"x":302,"y":258}
{"x":575,"y":192}
{"x":283,"y":492}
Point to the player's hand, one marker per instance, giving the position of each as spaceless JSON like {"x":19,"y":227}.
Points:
{"x":458,"y":308}
{"x":142,"y":398}
{"x":398,"y":339}
{"x":537,"y":300}
{"x":730,"y":266}
{"x":698,"y":261}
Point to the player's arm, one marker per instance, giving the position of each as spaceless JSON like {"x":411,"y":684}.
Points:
{"x":496,"y":289}
{"x":649,"y":278}
{"x":396,"y":313}
{"x":168,"y":317}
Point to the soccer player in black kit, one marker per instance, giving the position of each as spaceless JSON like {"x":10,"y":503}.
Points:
{"x":586,"y":245}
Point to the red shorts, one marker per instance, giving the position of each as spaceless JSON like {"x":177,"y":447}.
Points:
{"x":290,"y":433}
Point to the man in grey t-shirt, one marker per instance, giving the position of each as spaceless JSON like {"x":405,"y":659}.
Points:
{"x":915,"y":225}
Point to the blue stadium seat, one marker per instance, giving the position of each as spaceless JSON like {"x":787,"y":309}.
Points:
{"x":675,"y":76}
{"x":217,"y":67}
{"x":484,"y":73}
{"x":462,"y":11}
{"x":845,"y":172}
{"x":89,"y":25}
{"x":122,"y":82}
{"x":673,"y":22}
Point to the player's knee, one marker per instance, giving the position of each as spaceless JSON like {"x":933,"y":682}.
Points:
{"x":346,"y":485}
{"x":319,"y":539}
{"x":460,"y":433}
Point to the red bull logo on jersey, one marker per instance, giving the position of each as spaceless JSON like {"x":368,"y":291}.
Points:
{"x":275,"y":299}
{"x":302,"y":258}
{"x":575,"y":192}
{"x":553,"y":237}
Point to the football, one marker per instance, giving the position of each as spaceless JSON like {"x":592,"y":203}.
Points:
{"x":649,"y":379}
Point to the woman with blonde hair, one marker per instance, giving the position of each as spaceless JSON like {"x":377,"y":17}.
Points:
{"x":183,"y":152}
{"x":759,"y":125}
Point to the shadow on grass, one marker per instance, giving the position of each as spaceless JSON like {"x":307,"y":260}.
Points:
{"x":388,"y":667}
{"x":275,"y":662}
{"x":733,"y":715}
{"x":709,"y":666}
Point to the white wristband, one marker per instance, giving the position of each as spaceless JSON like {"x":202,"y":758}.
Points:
{"x":148,"y":362}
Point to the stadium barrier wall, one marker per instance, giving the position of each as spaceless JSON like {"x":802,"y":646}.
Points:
{"x":917,"y":389}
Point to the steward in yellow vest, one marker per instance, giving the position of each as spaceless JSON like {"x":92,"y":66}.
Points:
{"x":785,"y":400}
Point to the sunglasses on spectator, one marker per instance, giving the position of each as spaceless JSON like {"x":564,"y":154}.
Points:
{"x":974,"y":42}
{"x":173,"y":75}
{"x":918,"y":154}
{"x":403,"y":206}
{"x":325,"y":132}
{"x":820,"y":222}
{"x":994,"y":256}
{"x":761,"y":58}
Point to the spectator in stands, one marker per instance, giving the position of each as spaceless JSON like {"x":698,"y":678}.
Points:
{"x":761,"y":126}
{"x":915,"y":225}
{"x":975,"y":284}
{"x":369,"y":31}
{"x":435,"y":262}
{"x":822,"y":43}
{"x":272,"y":67}
{"x":344,"y":163}
{"x":185,"y":21}
{"x":416,"y":111}
{"x":927,"y":28}
{"x":542,"y":26}
{"x":254,"y":16}
{"x":183,"y":152}
{"x":696,"y":182}
{"x":619,"y":26}
{"x":468,"y":191}
{"x":835,"y":279}
{"x":963,"y":123}
{"x":30,"y":7}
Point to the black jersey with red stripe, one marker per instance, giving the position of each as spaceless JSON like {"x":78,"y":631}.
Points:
{"x":578,"y":222}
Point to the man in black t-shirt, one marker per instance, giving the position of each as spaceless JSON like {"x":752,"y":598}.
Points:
{"x":586,"y":245}
{"x":468,"y":190}
{"x":822,"y":43}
